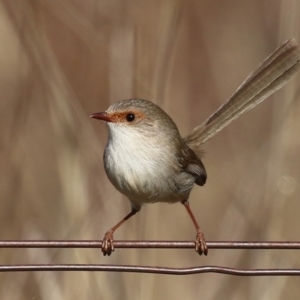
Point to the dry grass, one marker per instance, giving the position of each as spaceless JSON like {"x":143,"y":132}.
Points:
{"x":62,"y":60}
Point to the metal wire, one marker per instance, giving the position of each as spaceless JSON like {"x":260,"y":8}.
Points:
{"x":153,"y":270}
{"x":148,"y":244}
{"x":148,"y":269}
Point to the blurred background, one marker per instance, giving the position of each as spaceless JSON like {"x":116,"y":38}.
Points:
{"x":62,"y":60}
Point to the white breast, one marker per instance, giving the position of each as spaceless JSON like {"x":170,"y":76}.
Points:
{"x":138,"y":168}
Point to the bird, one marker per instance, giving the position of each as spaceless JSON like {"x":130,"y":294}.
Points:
{"x":146,"y":158}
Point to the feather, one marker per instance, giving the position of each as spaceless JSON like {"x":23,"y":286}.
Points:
{"x":269,"y":76}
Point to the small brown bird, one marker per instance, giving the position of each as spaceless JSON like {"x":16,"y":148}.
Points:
{"x":148,"y":161}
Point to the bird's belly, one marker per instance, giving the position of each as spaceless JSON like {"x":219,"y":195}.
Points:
{"x":140,"y":179}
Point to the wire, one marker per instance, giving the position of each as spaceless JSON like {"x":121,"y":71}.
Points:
{"x":148,"y":269}
{"x":148,"y":244}
{"x":152,"y":270}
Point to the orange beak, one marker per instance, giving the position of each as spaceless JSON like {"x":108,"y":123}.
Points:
{"x":104,"y":116}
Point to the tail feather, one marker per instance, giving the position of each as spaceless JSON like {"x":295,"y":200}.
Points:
{"x":269,"y":76}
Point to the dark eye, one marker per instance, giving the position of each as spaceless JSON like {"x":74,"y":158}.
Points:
{"x":130,"y":117}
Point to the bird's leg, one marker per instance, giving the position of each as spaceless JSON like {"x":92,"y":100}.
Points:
{"x":108,"y":241}
{"x":200,"y":244}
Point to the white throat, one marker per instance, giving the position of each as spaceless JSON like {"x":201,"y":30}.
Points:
{"x":134,"y":163}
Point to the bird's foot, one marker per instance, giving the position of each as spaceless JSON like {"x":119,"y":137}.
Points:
{"x":200,"y":244}
{"x":108,"y":243}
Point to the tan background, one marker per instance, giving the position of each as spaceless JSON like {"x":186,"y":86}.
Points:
{"x":62,"y":60}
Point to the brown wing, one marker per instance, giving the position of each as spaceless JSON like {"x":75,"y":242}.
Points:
{"x":192,"y":164}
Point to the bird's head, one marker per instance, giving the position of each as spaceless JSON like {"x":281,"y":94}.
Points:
{"x":137,"y":115}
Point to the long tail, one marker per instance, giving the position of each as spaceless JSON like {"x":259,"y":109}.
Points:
{"x":269,"y":76}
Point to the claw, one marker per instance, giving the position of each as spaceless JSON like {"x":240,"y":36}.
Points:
{"x":200,"y":244}
{"x":108,"y":244}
